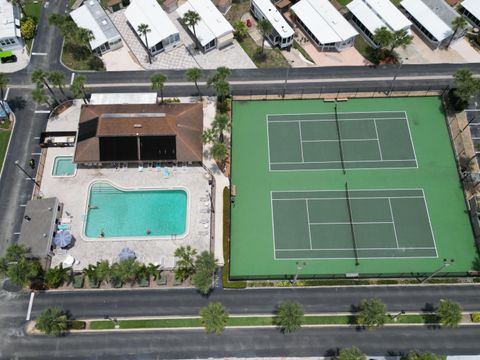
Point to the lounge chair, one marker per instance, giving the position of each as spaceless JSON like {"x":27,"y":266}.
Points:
{"x":158,"y":166}
{"x":63,"y":227}
{"x":204,"y":221}
{"x":166,"y":173}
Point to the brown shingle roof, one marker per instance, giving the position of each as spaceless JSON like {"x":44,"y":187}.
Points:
{"x":184,"y":121}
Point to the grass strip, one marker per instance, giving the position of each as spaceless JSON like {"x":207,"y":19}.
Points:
{"x":4,"y":136}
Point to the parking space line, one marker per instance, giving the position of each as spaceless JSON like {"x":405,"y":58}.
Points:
{"x":30,"y":304}
{"x":6,"y":94}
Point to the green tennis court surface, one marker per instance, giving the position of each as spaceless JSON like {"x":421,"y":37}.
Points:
{"x":383,"y":224}
{"x":397,"y":209}
{"x":368,"y":140}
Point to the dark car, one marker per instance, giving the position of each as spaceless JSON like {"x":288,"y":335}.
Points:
{"x":9,"y":59}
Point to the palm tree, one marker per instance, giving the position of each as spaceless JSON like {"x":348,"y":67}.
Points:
{"x":417,"y":355}
{"x":102,"y":270}
{"x":40,"y":77}
{"x":185,"y":266}
{"x":143,"y":29}
{"x":289,"y":316}
{"x":449,"y":313}
{"x":194,"y":74}
{"x":57,"y":78}
{"x":191,"y":18}
{"x":3,"y":84}
{"x":265,"y":29}
{"x":220,"y":124}
{"x":83,"y":36}
{"x":222,"y":89}
{"x":209,"y":136}
{"x":220,"y":153}
{"x":52,"y":322}
{"x":78,"y":87}
{"x":458,"y":24}
{"x":214,"y":317}
{"x":383,"y":37}
{"x":400,"y":38}
{"x":55,"y":276}
{"x":465,"y":86}
{"x":152,"y":270}
{"x":158,"y":81}
{"x":38,"y":95}
{"x":372,"y":313}
{"x":352,"y":353}
{"x":221,"y":73}
{"x":205,"y":265}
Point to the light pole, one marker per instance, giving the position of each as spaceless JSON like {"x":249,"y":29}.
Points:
{"x":114,"y":320}
{"x":17,"y":163}
{"x":299,"y":266}
{"x":286,"y":80}
{"x":395,"y":317}
{"x":446,"y":263}
{"x":395,"y":76}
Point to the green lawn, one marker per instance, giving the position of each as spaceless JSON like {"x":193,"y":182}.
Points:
{"x":4,"y":137}
{"x":252,"y":321}
{"x":273,"y":57}
{"x":33,"y":9}
{"x":252,"y":238}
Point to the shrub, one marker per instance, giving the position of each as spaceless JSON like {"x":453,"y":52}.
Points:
{"x":475,"y":317}
{"x":95,"y":63}
{"x":77,"y":325}
{"x":289,"y":316}
{"x":241,"y":30}
{"x":52,"y":322}
{"x":27,"y":28}
{"x":450,"y":313}
{"x":55,"y":277}
{"x":372,"y":313}
{"x":352,"y":353}
{"x":214,"y":317}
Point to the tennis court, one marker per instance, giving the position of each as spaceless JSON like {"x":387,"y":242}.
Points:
{"x":351,"y":224}
{"x":322,"y":141}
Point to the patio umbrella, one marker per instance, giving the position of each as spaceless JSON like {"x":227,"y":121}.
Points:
{"x":126,"y":253}
{"x":62,"y":238}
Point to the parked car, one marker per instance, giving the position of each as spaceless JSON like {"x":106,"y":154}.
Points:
{"x":8,"y":59}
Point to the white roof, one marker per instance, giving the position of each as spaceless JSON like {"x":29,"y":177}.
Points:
{"x":274,"y":17}
{"x":91,"y":16}
{"x":473,"y":7}
{"x":150,"y":13}
{"x":324,"y":21}
{"x":384,"y":10}
{"x":429,"y":20}
{"x":123,"y":98}
{"x":212,"y":24}
{"x":7,"y":21}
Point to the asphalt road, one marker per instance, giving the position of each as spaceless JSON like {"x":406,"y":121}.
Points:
{"x":188,"y":344}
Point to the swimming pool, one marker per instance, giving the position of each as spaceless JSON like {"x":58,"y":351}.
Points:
{"x":63,"y":166}
{"x":141,"y":213}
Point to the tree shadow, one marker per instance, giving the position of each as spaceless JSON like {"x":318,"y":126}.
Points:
{"x":429,"y":317}
{"x":17,"y":103}
{"x":476,"y":264}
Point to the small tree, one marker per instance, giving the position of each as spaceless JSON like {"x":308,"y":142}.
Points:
{"x":458,"y":24}
{"x":400,"y":38}
{"x":220,"y":124}
{"x":185,"y":266}
{"x":449,"y":313}
{"x":23,"y":271}
{"x":265,"y":29}
{"x":158,"y":82}
{"x":194,"y":74}
{"x":417,"y":355}
{"x":352,"y":353}
{"x":144,"y":29}
{"x":289,"y":316}
{"x":57,"y":78}
{"x":241,"y":30}
{"x":209,"y":136}
{"x":465,"y":87}
{"x":205,"y":265}
{"x":372,"y":313}
{"x":78,"y":87}
{"x":191,"y":18}
{"x":27,"y":28}
{"x":214,"y":317}
{"x":222,"y":90}
{"x":52,"y":322}
{"x":54,"y":277}
{"x":219,"y":152}
{"x":383,"y":37}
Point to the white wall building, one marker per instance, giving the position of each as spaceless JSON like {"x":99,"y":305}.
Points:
{"x":213,"y":30}
{"x":433,"y":19}
{"x":324,"y":24}
{"x":282,"y":33}
{"x":370,"y":15}
{"x":470,"y":9}
{"x":10,"y":36}
{"x":91,"y":16}
{"x":163,"y":35}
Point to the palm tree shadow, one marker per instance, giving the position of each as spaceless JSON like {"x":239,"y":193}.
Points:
{"x":17,"y":103}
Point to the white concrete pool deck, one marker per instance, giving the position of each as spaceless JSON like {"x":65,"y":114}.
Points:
{"x":73,"y":193}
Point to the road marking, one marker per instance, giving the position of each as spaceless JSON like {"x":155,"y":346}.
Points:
{"x":6,"y":94}
{"x":16,"y":233}
{"x":36,"y":138}
{"x":73,"y":77}
{"x":23,"y":205}
{"x":46,"y":4}
{"x":30,"y":304}
{"x":42,"y":111}
{"x":39,"y":54}
{"x":36,"y":154}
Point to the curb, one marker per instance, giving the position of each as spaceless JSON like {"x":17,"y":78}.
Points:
{"x":14,"y":121}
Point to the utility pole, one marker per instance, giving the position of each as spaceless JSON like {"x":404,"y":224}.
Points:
{"x":446,"y":263}
{"x":395,"y":76}
{"x":17,"y":163}
{"x":299,"y":266}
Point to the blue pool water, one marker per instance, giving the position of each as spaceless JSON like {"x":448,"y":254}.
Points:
{"x":63,"y":166}
{"x":119,"y":213}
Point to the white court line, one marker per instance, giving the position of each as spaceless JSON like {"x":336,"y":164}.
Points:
{"x":411,"y":140}
{"x":430,"y":222}
{"x":6,"y":94}
{"x":309,"y":223}
{"x":30,"y":304}
{"x":71,"y":79}
{"x":336,"y":140}
{"x":268,"y":144}
{"x":301,"y":144}
{"x":353,"y":223}
{"x":378,"y":140}
{"x":349,"y":169}
{"x":330,"y":120}
{"x":42,"y":111}
{"x":393,"y":221}
{"x":359,"y":248}
{"x":336,"y":161}
{"x":355,"y":198}
{"x":360,"y":258}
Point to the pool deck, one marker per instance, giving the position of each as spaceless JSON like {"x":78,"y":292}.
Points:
{"x":73,"y":193}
